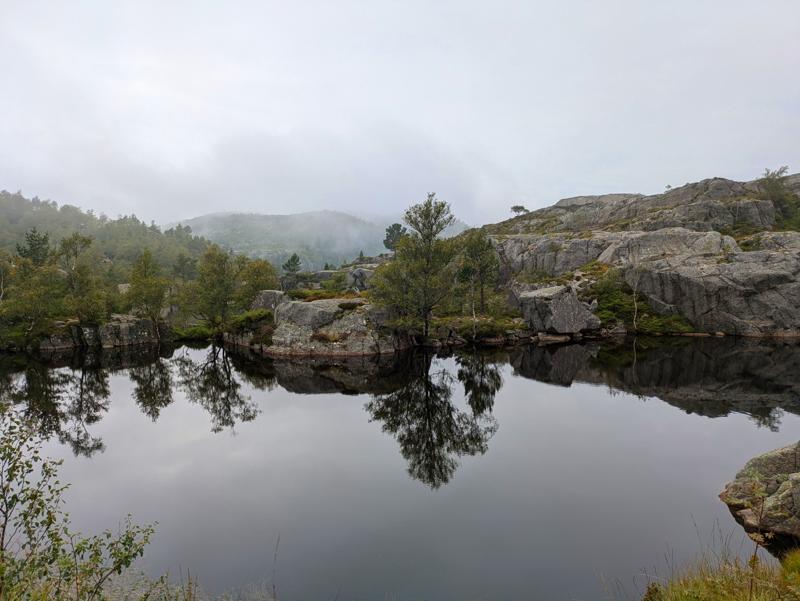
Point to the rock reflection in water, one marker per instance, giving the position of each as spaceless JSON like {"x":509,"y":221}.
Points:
{"x":709,"y":376}
{"x":411,"y":399}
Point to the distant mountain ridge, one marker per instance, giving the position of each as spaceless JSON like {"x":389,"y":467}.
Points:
{"x":318,"y":237}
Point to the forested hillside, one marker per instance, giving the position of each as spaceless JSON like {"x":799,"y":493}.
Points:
{"x":117,"y":243}
{"x":318,"y":237}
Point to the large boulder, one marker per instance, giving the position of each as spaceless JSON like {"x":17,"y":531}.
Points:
{"x":358,"y":278}
{"x":269,"y":299}
{"x":333,"y":327}
{"x":765,"y":498}
{"x":556,"y":310}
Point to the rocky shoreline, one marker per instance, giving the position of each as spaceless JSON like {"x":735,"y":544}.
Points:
{"x":705,"y":259}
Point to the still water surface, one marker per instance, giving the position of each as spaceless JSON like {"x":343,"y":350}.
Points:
{"x":555,"y":473}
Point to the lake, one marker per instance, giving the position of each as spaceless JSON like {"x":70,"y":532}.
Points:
{"x":565,"y":472}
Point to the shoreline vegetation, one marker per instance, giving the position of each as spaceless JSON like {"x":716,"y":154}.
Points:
{"x":87,"y":287}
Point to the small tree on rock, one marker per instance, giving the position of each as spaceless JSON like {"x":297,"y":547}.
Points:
{"x":421,"y":276}
{"x":148,"y":289}
{"x":519,"y":210}
{"x":478,"y":267}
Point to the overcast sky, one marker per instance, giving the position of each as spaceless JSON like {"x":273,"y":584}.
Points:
{"x":172,"y":109}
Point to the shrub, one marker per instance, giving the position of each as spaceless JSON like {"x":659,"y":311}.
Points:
{"x":40,"y":556}
{"x":304,"y":294}
{"x":250,"y":320}
{"x":615,"y":303}
{"x":196,"y":332}
{"x":336,"y":283}
{"x":791,"y":565}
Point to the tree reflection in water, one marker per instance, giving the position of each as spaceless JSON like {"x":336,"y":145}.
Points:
{"x":63,"y":402}
{"x":152,"y":387}
{"x":213,"y":385}
{"x":431,"y":429}
{"x":481,"y":379}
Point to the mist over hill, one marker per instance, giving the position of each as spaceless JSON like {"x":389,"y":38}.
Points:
{"x":318,"y":237}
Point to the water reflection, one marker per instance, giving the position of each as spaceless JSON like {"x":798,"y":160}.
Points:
{"x":215,"y":385}
{"x":479,"y":372}
{"x":412,"y":395}
{"x":709,"y":376}
{"x":152,"y":387}
{"x":431,"y":430}
{"x":64,"y":403}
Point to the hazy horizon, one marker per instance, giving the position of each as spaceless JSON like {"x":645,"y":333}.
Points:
{"x":180,"y":110}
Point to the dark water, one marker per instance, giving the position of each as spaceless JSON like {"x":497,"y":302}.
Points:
{"x":539,"y":473}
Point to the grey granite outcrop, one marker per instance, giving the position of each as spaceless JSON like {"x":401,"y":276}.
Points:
{"x":333,"y":327}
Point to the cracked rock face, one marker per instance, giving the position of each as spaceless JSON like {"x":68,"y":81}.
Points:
{"x":765,"y":498}
{"x":746,"y":294}
{"x":711,"y":204}
{"x":670,"y":249}
{"x":119,"y":331}
{"x":556,"y":310}
{"x":333,"y":327}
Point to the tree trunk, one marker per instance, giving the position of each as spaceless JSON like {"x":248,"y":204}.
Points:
{"x":472,"y":302}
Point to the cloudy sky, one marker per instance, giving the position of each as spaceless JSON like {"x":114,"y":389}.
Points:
{"x":172,"y":109}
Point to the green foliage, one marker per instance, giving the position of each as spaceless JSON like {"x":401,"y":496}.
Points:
{"x":422,"y":274}
{"x":36,"y":247}
{"x":474,"y":329}
{"x":750,"y":243}
{"x":478,"y":267}
{"x":197,"y":332}
{"x":84,"y":299}
{"x":185,"y":267}
{"x":519,"y":210}
{"x":787,"y":204}
{"x":249,"y":320}
{"x":40,"y":556}
{"x":305,"y":294}
{"x":336,"y":283}
{"x":35,"y":297}
{"x":117,"y":243}
{"x":210,"y":296}
{"x":252,"y":277}
{"x":393,"y":234}
{"x":615,"y":303}
{"x":791,"y":565}
{"x":727,"y":578}
{"x":292,"y":265}
{"x":148,"y":289}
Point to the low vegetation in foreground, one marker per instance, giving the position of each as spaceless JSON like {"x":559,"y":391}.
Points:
{"x":43,"y":559}
{"x":731,"y":579}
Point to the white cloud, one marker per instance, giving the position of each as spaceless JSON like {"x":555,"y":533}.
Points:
{"x":173,"y":109}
